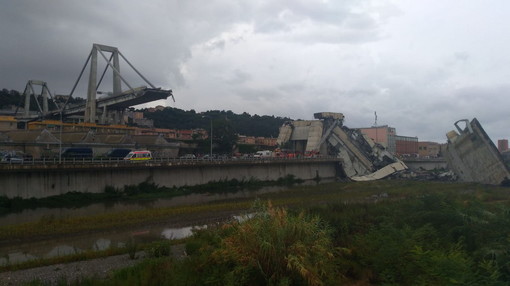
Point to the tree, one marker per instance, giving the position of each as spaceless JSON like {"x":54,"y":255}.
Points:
{"x":224,"y":136}
{"x":245,"y":124}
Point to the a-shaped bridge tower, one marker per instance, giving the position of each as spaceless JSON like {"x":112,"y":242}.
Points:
{"x":111,"y":107}
{"x":108,"y":109}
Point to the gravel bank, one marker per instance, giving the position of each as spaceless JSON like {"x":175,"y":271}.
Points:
{"x":100,"y":268}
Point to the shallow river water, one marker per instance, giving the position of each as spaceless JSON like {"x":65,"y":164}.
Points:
{"x":16,"y":252}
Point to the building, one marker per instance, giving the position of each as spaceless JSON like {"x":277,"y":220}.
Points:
{"x":247,"y":140}
{"x":137,"y":118}
{"x":383,"y":135}
{"x":261,"y":141}
{"x":428,"y":149}
{"x":265,"y":141}
{"x":8,"y":123}
{"x":406,"y":146}
{"x":502,"y":145}
{"x":157,"y":108}
{"x":54,"y":125}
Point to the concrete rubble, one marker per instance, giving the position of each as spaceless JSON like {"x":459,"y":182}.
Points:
{"x":439,"y":175}
{"x":472,"y":156}
{"x":361,"y":158}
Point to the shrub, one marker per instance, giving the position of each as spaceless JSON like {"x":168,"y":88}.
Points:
{"x":277,"y":248}
{"x":158,"y":249}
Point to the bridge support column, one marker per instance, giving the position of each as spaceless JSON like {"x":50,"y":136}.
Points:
{"x":117,"y":87}
{"x":90,"y":107}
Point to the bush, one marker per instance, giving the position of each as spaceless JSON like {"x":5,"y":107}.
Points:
{"x":158,"y":249}
{"x":277,"y":248}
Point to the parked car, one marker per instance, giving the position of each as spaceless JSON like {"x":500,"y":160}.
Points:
{"x":208,"y":157}
{"x":14,"y":157}
{"x":188,"y":156}
{"x":117,"y":153}
{"x":77,"y":153}
{"x":8,"y":158}
{"x":247,"y":156}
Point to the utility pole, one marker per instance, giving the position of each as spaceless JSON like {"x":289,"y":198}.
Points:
{"x":375,"y":125}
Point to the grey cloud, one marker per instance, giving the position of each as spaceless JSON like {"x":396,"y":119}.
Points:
{"x":332,"y":22}
{"x":461,"y":56}
{"x":267,"y":26}
{"x":51,"y":40}
{"x":356,"y":72}
{"x":216,"y":44}
{"x":292,"y":87}
{"x":238,"y":77}
{"x":255,"y":94}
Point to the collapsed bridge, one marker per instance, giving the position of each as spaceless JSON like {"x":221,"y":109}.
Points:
{"x":108,"y":109}
{"x":361,"y":158}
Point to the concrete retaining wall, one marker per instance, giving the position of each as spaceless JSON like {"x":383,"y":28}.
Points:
{"x":44,"y":182}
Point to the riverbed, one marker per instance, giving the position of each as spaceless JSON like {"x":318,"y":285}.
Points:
{"x":175,"y":228}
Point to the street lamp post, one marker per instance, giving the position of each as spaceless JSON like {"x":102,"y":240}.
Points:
{"x":211,"y":135}
{"x":60,"y":140}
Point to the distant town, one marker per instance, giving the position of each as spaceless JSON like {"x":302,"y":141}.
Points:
{"x":46,"y":138}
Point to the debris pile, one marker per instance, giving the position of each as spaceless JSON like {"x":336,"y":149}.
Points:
{"x":426,"y":175}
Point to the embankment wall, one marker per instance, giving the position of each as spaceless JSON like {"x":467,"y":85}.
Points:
{"x":44,"y":181}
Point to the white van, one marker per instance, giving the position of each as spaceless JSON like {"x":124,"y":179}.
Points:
{"x":263,"y":154}
{"x":139,"y":156}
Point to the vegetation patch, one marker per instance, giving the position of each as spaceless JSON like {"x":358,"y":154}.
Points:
{"x":441,"y":234}
{"x":371,"y":233}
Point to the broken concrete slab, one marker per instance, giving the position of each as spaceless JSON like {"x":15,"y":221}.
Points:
{"x":472,"y":155}
{"x":382,"y":173}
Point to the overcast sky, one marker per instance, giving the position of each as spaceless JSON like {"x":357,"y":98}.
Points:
{"x":421,"y":65}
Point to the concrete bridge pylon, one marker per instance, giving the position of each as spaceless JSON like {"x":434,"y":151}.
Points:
{"x":114,"y":104}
